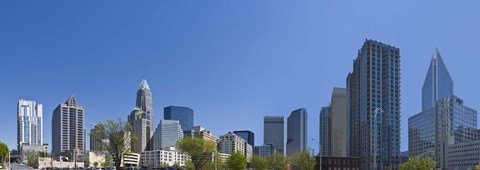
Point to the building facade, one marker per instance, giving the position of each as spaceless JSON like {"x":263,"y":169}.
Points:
{"x":444,"y":120}
{"x":297,"y":140}
{"x":373,"y":106}
{"x":167,"y":134}
{"x":273,"y":132}
{"x":333,"y":125}
{"x":463,"y":155}
{"x":325,"y":132}
{"x":230,"y":143}
{"x":144,"y":103}
{"x":264,"y":150}
{"x":182,"y":114}
{"x":29,"y":123}
{"x":68,"y":127}
{"x":200,"y":132}
{"x":247,"y":135}
{"x":153,"y":159}
{"x":139,"y":123}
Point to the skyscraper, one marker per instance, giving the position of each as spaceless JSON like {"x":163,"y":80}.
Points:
{"x":167,"y":134}
{"x":68,"y":127}
{"x":230,"y":143}
{"x":273,"y":132}
{"x":333,"y":124}
{"x":139,"y":124}
{"x":373,"y":101}
{"x":29,"y":123}
{"x":144,"y":102}
{"x":297,"y":140}
{"x":182,"y":114}
{"x":247,"y":135}
{"x":444,"y":120}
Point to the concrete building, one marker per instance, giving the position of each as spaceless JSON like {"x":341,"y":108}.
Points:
{"x":273,"y":132}
{"x":246,"y":135}
{"x":373,"y":106}
{"x":139,"y":124}
{"x":131,"y":160}
{"x":333,"y":125}
{"x":230,"y":143}
{"x":297,"y":140}
{"x":444,"y":120}
{"x":153,"y":159}
{"x":463,"y":155}
{"x":264,"y":150}
{"x":144,"y":103}
{"x":34,"y":148}
{"x":68,"y":132}
{"x":200,"y":132}
{"x":29,"y":123}
{"x":183,"y":114}
{"x":167,"y":134}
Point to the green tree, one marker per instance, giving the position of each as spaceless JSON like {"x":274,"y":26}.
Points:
{"x":3,"y":151}
{"x":258,"y":163}
{"x":189,"y":165}
{"x":303,"y":161}
{"x":199,"y":150}
{"x":237,"y":161}
{"x":163,"y":165}
{"x":418,"y":163}
{"x":43,"y":154}
{"x":117,"y":134}
{"x":277,"y":161}
{"x":95,"y":164}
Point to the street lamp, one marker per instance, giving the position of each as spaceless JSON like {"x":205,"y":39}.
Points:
{"x":375,"y":142}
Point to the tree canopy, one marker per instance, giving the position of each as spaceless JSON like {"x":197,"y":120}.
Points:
{"x":199,"y":150}
{"x":277,"y":161}
{"x":258,"y":163}
{"x":237,"y":161}
{"x":303,"y":161}
{"x":418,"y":163}
{"x":3,"y":151}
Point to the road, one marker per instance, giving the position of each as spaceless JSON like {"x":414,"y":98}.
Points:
{"x":20,"y":167}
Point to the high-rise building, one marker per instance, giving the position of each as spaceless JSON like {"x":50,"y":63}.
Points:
{"x":297,"y":140}
{"x":167,"y":134}
{"x":200,"y":132}
{"x":182,"y":114}
{"x":230,"y":143}
{"x":139,"y":124}
{"x":273,"y":132}
{"x":444,"y":119}
{"x":333,"y":125}
{"x":246,"y":135}
{"x":144,"y":102}
{"x":95,"y":142}
{"x":29,"y":123}
{"x":373,"y":106}
{"x":68,"y":128}
{"x":325,"y":132}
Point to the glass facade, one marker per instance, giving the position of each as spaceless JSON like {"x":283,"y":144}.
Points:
{"x":438,"y":82}
{"x":182,"y":114}
{"x":297,"y":132}
{"x":325,"y":135}
{"x":375,"y":84}
{"x":246,"y":135}
{"x":273,"y":132}
{"x":29,"y":123}
{"x":167,"y":134}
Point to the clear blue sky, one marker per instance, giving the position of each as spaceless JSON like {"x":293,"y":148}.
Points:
{"x":233,"y":62}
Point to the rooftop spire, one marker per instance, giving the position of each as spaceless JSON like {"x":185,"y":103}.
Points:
{"x":144,"y":85}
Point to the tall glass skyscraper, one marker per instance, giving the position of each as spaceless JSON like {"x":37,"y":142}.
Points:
{"x":246,"y":135}
{"x":167,"y":134}
{"x":273,"y":132}
{"x":297,"y":140}
{"x":29,"y":123}
{"x":373,"y":91}
{"x":144,"y":102}
{"x":325,"y":134}
{"x":444,"y":119}
{"x":182,"y":114}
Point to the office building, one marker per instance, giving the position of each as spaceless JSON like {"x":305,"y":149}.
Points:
{"x":154,"y":159}
{"x":139,"y":123}
{"x":230,"y":143}
{"x":373,"y":106}
{"x":444,"y":120}
{"x":167,"y":134}
{"x":144,"y":103}
{"x":246,"y":135}
{"x":182,"y":114}
{"x":340,"y":163}
{"x":68,"y":128}
{"x":200,"y":132}
{"x":29,"y":123}
{"x":264,"y":150}
{"x":273,"y":132}
{"x":297,"y":140}
{"x":333,"y":125}
{"x":95,"y":142}
{"x":463,"y":155}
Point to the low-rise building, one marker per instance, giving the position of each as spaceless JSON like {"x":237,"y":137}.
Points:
{"x":230,"y":143}
{"x":200,"y":132}
{"x":264,"y":150}
{"x":34,"y":148}
{"x":131,"y":160}
{"x":343,"y":163}
{"x":154,"y":159}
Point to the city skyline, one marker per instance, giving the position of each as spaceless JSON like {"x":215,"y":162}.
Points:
{"x":250,"y":82}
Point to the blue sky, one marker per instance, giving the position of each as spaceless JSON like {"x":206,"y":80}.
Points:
{"x":233,"y":62}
